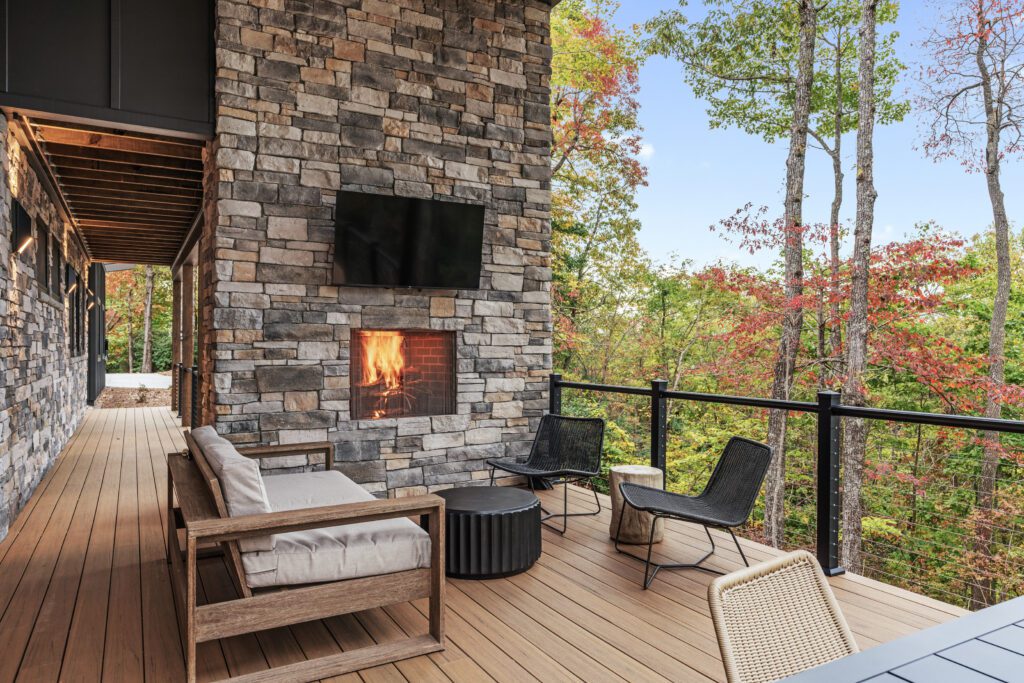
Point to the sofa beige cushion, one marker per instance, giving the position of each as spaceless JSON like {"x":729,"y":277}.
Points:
{"x":334,"y":553}
{"x":240,"y":481}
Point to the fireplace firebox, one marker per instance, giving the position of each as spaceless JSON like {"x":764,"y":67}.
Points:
{"x":402,"y":373}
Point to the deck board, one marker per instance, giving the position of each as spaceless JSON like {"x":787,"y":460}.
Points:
{"x":85,"y":593}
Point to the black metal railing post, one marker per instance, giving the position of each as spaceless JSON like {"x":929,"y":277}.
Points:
{"x":555,"y":394}
{"x":174,"y":386}
{"x":181,"y":387}
{"x":659,"y":427}
{"x":827,"y":530}
{"x":194,"y":420}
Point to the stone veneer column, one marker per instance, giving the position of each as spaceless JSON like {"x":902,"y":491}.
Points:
{"x":443,"y":99}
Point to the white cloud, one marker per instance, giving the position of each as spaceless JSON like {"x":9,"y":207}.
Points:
{"x":646,"y":151}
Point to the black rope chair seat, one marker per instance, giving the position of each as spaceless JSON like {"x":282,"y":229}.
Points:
{"x":692,"y":508}
{"x":512,"y":466}
{"x":725,"y":503}
{"x":566,"y":450}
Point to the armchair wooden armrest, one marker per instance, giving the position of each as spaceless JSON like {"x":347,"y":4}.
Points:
{"x":235,"y":528}
{"x":312,"y":447}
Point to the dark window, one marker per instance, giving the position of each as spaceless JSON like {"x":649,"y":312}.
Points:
{"x":42,"y":255}
{"x":76,"y":310}
{"x":82,"y":300}
{"x":21,"y":227}
{"x":55,"y":266}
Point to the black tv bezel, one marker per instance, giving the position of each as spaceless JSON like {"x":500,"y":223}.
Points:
{"x":336,"y":267}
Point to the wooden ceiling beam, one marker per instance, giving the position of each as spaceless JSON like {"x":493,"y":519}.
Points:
{"x":81,"y":127}
{"x":89,"y":213}
{"x":104,"y":195}
{"x":123,"y":232}
{"x":135,"y":258}
{"x":126,"y":204}
{"x":132,"y":243}
{"x":120,"y":143}
{"x":123,"y":171}
{"x":93,"y":213}
{"x":84,"y":179}
{"x":122,"y":248}
{"x":108,"y":223}
{"x":162,"y":213}
{"x":108,"y":244}
{"x":148,"y":261}
{"x":125,"y":158}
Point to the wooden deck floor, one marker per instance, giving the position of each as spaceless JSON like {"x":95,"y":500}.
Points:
{"x":85,"y":594}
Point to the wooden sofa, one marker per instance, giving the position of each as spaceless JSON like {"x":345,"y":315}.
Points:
{"x":198,"y":516}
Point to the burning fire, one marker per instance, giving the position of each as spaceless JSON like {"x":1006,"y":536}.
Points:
{"x":383,"y":359}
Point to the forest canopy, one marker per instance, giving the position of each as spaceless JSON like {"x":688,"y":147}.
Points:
{"x":939,"y":511}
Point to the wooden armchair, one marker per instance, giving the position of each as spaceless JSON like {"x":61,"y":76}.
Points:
{"x":202,"y":514}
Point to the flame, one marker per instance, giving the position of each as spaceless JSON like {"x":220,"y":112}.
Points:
{"x":383,"y":360}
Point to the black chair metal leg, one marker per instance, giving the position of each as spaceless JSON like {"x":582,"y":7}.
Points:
{"x":492,"y":476}
{"x":737,"y":542}
{"x":565,"y":514}
{"x":658,"y":566}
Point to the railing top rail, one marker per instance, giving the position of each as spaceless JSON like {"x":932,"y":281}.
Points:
{"x":748,"y":401}
{"x":935,"y":419}
{"x":606,"y":388}
{"x":988,"y":424}
{"x":797,"y":406}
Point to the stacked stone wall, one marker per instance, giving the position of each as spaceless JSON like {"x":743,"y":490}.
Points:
{"x":42,"y":382}
{"x":444,"y":99}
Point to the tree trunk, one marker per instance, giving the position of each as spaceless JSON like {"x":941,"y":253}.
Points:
{"x":856,"y":432}
{"x":836,"y":336}
{"x":983,"y":587}
{"x":792,"y":322}
{"x":147,"y":322}
{"x":131,"y":339}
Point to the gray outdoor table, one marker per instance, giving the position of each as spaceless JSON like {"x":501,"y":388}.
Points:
{"x":979,"y":648}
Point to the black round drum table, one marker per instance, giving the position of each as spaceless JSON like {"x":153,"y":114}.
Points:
{"x":490,"y":531}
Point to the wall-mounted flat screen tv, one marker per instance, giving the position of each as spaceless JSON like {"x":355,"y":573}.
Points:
{"x":385,"y":241}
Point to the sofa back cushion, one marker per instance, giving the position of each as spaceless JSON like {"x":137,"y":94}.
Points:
{"x":240,"y":482}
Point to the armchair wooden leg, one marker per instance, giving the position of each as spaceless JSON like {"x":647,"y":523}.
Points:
{"x":190,"y":611}
{"x":437,"y":575}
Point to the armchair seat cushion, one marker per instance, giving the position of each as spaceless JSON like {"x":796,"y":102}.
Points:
{"x":334,"y":553}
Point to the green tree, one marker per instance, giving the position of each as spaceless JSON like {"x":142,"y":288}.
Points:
{"x":741,"y":58}
{"x":775,"y":69}
{"x":596,"y":173}
{"x":128,"y":316}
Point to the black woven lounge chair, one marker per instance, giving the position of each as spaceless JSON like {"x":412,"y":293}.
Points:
{"x":567,"y":450}
{"x":725,"y":503}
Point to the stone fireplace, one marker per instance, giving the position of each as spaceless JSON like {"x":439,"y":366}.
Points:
{"x":402,"y":373}
{"x":445,"y":99}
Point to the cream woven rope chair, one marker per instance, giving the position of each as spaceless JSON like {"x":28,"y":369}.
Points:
{"x":777,"y":619}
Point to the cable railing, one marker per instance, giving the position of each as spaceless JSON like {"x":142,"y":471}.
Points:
{"x":909,"y":533}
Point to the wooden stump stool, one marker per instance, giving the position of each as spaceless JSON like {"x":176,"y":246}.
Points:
{"x":636,"y":526}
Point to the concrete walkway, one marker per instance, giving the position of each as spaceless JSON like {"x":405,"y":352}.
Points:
{"x":137,"y":380}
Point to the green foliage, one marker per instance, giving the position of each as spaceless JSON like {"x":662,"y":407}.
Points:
{"x":741,"y":59}
{"x":703,"y":333}
{"x":126,"y":312}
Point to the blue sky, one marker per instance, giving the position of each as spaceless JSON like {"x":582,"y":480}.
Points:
{"x":698,"y":176}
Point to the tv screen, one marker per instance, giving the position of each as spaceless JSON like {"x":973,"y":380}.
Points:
{"x":383,"y":241}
